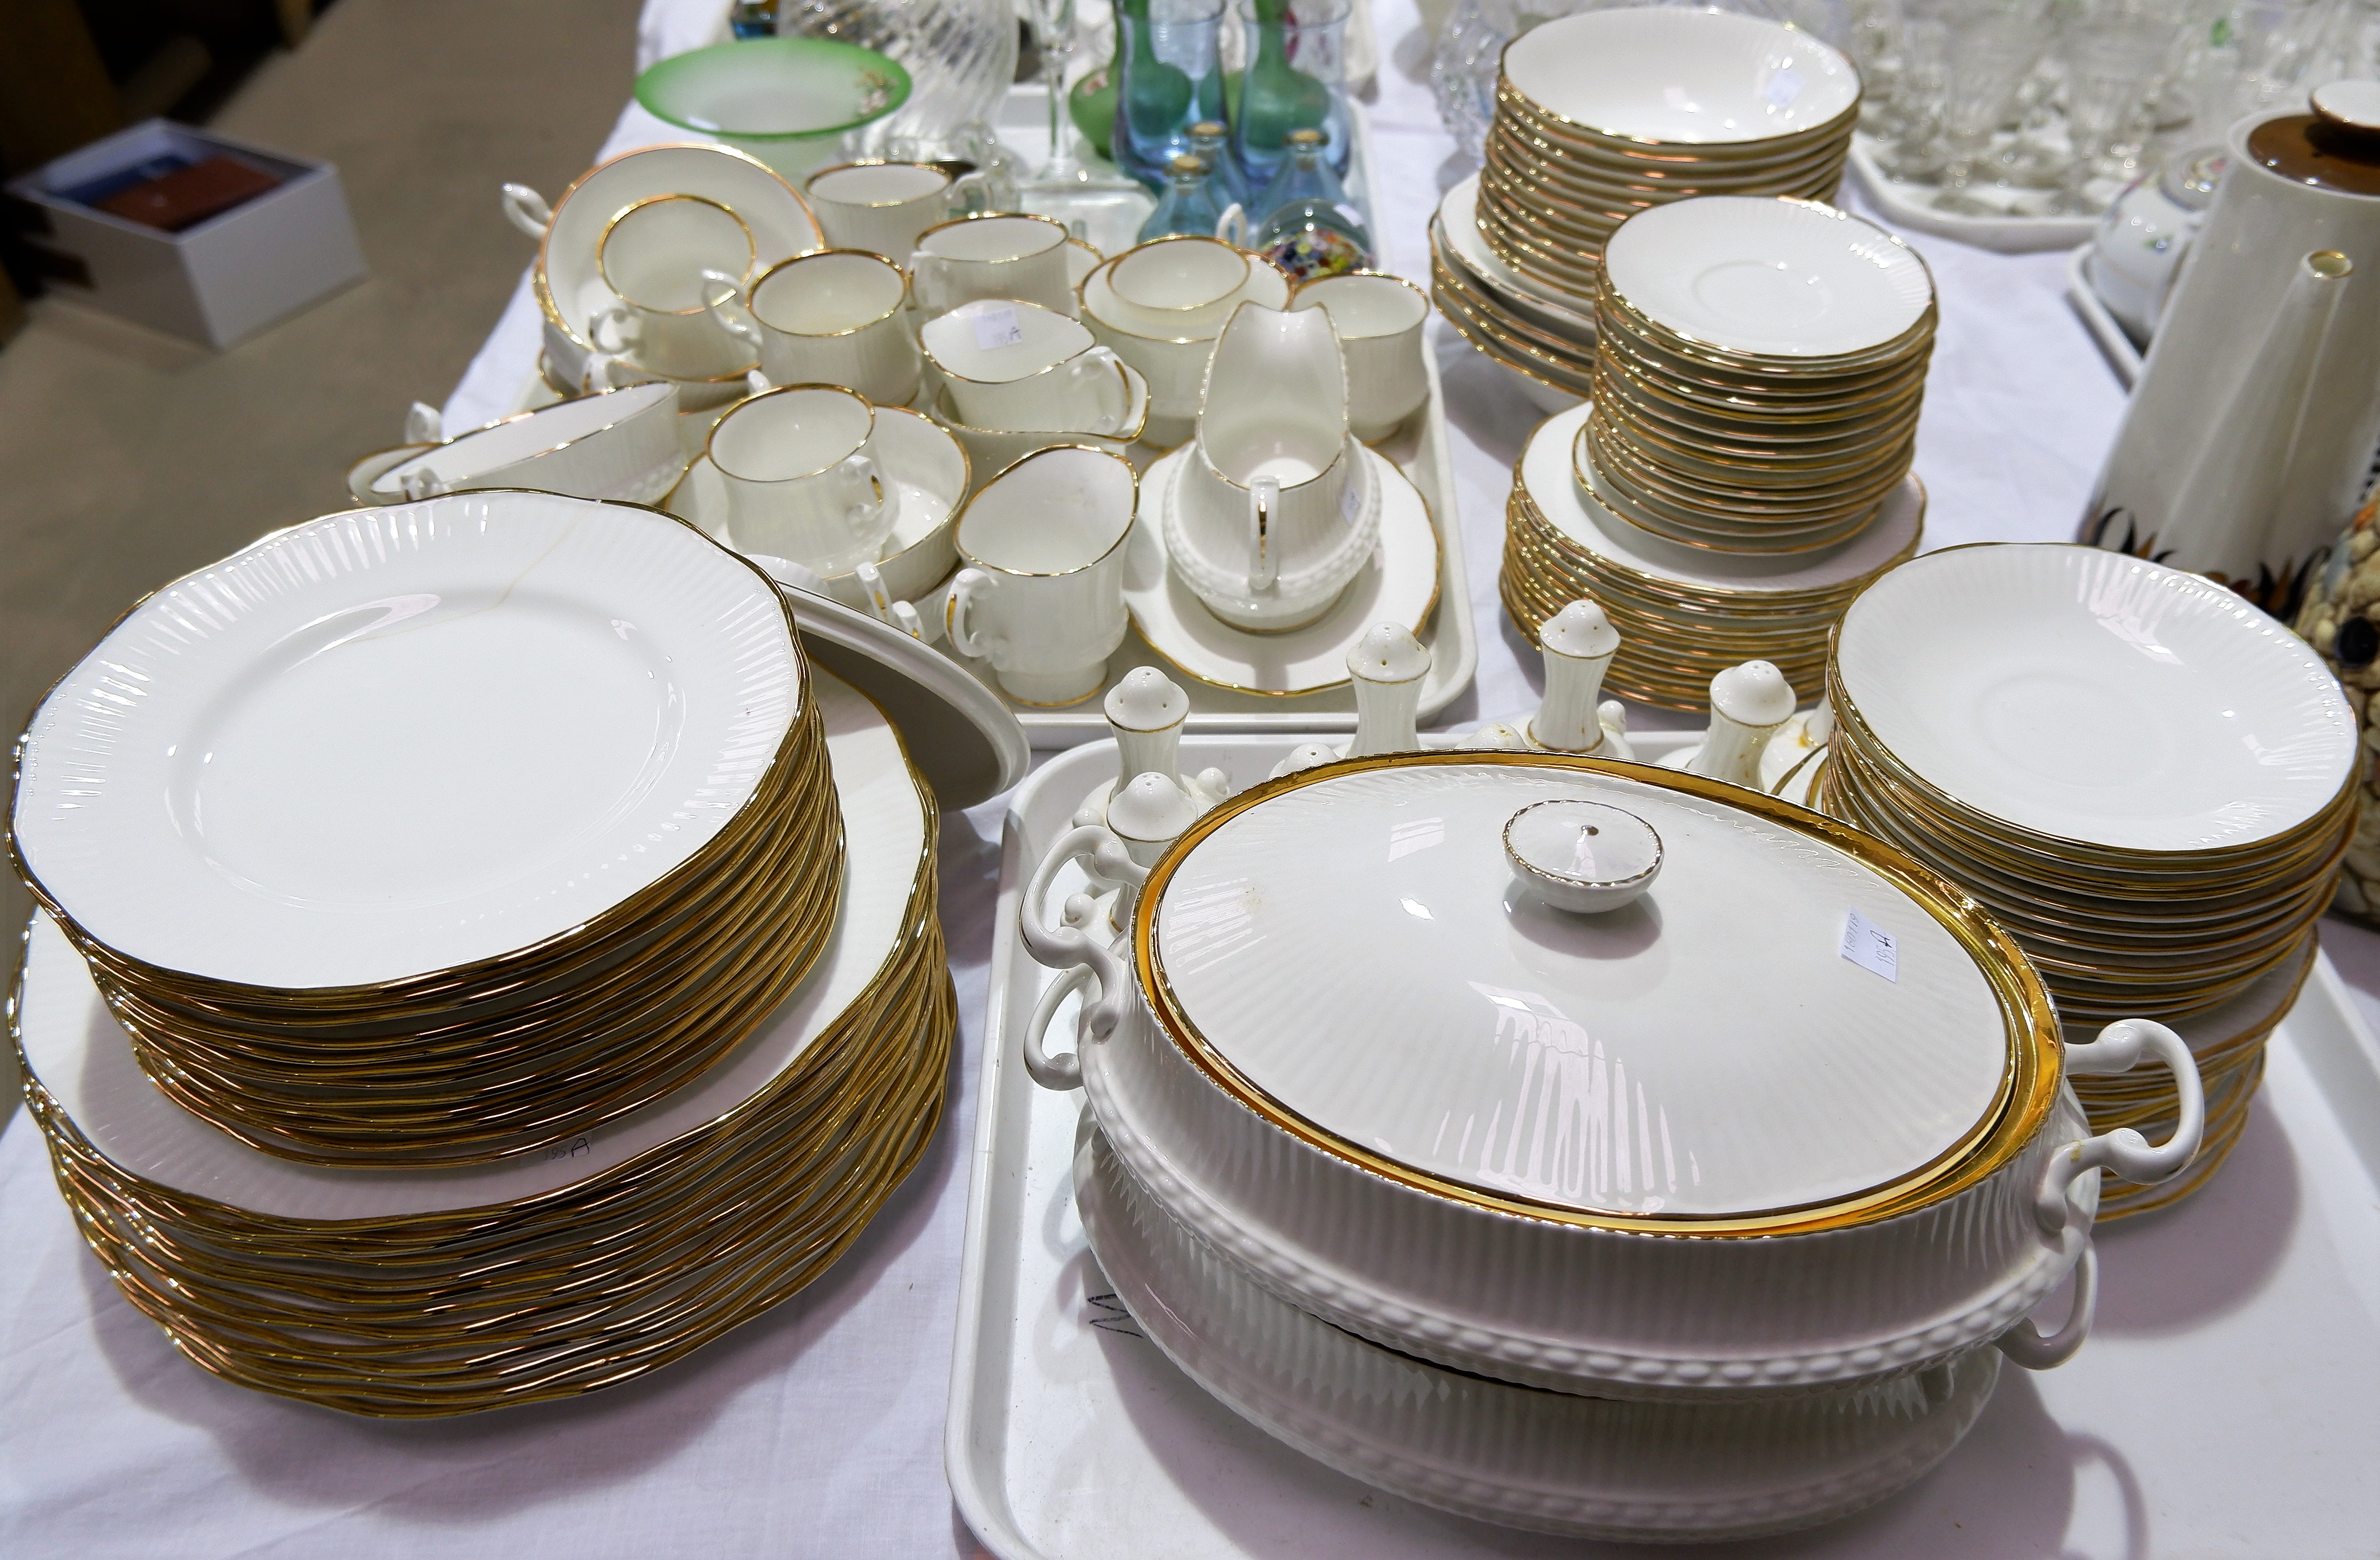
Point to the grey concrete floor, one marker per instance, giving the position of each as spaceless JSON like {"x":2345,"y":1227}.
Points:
{"x":127,"y":459}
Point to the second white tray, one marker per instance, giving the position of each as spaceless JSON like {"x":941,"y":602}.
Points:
{"x":2222,"y":1408}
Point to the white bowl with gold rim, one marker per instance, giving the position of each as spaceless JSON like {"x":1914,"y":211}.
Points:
{"x":1339,"y":1042}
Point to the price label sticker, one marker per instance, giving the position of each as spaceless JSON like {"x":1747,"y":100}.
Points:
{"x":1782,"y":88}
{"x":1350,"y":501}
{"x":997,"y":327}
{"x":1871,"y":947}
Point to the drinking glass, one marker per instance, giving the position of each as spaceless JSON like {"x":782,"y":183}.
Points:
{"x":1169,"y":76}
{"x":1293,"y":78}
{"x":960,"y":56}
{"x":1092,"y":203}
{"x":2113,"y":53}
{"x":1983,"y":50}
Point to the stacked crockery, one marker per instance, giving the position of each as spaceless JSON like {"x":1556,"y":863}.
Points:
{"x":1742,"y":471}
{"x":1761,"y":366}
{"x":501,"y":857}
{"x":2146,"y":780}
{"x":1606,"y":113}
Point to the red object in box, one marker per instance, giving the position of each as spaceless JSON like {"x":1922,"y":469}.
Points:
{"x":189,"y":196}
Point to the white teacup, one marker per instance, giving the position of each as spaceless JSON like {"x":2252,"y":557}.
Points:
{"x":1379,"y":319}
{"x":659,"y":256}
{"x":1174,"y":366}
{"x":1178,"y":288}
{"x":1021,"y":368}
{"x":1275,"y":509}
{"x":801,"y":476}
{"x":1012,"y":255}
{"x":830,"y":317}
{"x":1040,"y":586}
{"x":883,"y":207}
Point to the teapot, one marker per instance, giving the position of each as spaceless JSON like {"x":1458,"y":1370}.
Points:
{"x":2248,"y":438}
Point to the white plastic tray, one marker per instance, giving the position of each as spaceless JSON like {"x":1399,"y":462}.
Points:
{"x":2227,"y":1405}
{"x":1905,"y":205}
{"x":1420,"y":451}
{"x":2105,"y":328}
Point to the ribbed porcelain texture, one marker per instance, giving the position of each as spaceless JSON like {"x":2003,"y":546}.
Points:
{"x":1558,"y":1463}
{"x":2186,"y":719}
{"x":617,"y":443}
{"x":557,"y":702}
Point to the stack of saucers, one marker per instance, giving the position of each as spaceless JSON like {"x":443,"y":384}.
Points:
{"x":1761,"y":367}
{"x":1685,"y":614}
{"x":501,"y":857}
{"x":1606,"y":113}
{"x":2146,"y":780}
{"x":370,"y":866}
{"x":1545,"y":337}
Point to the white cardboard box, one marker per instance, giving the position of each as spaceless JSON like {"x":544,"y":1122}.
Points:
{"x":217,"y":282}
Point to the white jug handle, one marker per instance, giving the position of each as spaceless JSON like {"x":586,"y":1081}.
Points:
{"x":526,"y":210}
{"x":2023,"y":1343}
{"x":969,"y":587}
{"x":1264,"y":503}
{"x":1105,"y":370}
{"x":720,"y":290}
{"x":1069,"y":946}
{"x":1232,"y":227}
{"x":424,"y":424}
{"x":2124,"y":1151}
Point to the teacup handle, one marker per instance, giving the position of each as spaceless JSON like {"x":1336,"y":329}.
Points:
{"x":616,"y":319}
{"x":1104,"y":370}
{"x":970,"y":195}
{"x":858,"y":471}
{"x":719,"y":290}
{"x":969,"y":589}
{"x":1264,"y":501}
{"x":422,"y":483}
{"x":1232,"y":227}
{"x":526,"y":210}
{"x":424,"y":424}
{"x":925,"y":281}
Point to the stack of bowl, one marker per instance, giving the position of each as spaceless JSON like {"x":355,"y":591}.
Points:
{"x":1761,"y":366}
{"x":1685,"y":614}
{"x":503,"y":859}
{"x":2147,"y":781}
{"x":1741,"y":469}
{"x":1606,"y":113}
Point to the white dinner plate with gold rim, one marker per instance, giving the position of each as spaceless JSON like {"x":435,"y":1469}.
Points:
{"x":1397,"y":584}
{"x":1705,"y":79}
{"x":77,"y":1052}
{"x":398,"y":740}
{"x":2187,"y":720}
{"x":1770,"y":276}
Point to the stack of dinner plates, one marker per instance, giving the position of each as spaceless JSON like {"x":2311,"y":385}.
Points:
{"x":1760,"y":369}
{"x":1606,"y":113}
{"x":1545,"y":337}
{"x":1685,"y":614}
{"x":2144,"y":778}
{"x":421,"y":1291}
{"x":440,"y":833}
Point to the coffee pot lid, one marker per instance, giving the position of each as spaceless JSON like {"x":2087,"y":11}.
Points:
{"x":2337,"y":147}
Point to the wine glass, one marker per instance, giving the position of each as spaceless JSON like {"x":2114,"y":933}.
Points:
{"x":1098,"y":205}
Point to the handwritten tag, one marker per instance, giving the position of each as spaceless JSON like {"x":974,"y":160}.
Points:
{"x":1871,"y":947}
{"x":576,"y":1148}
{"x":997,"y":327}
{"x":1782,"y":88}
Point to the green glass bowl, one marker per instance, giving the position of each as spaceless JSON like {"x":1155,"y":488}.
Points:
{"x":789,"y":101}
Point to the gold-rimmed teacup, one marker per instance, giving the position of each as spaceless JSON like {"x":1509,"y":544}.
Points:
{"x":658,"y":257}
{"x":829,"y":317}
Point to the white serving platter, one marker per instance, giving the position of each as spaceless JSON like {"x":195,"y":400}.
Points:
{"x":2222,"y":1408}
{"x":1905,"y":205}
{"x":2099,"y":319}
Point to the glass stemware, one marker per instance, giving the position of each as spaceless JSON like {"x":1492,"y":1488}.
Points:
{"x":2113,"y":55}
{"x":1983,"y":51}
{"x":1094,"y":203}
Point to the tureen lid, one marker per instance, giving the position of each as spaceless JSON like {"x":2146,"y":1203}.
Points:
{"x":1794,"y":1018}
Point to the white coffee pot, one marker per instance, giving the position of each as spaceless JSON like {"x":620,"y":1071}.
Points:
{"x":2247,"y":440}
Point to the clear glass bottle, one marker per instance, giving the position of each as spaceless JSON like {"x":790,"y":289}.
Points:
{"x":1309,"y":228}
{"x":1210,"y":143}
{"x":1293,"y":76}
{"x":1188,"y":204}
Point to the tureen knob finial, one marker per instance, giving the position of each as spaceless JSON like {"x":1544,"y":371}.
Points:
{"x":1387,"y":665}
{"x":1578,"y":643}
{"x":1748,"y":703}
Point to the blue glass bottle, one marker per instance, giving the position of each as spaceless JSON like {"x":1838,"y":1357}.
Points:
{"x":1169,"y":76}
{"x":1294,"y":78}
{"x":1211,"y":142}
{"x":1309,"y":228}
{"x":1188,"y":205}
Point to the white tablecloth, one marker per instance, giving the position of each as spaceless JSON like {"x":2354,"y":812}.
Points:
{"x":818,"y":1429}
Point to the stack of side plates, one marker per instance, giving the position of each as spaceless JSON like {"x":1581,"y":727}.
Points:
{"x":1685,"y":615}
{"x":442,"y":833}
{"x":419,"y":1292}
{"x":1761,"y":367}
{"x":1545,"y":337}
{"x":2144,"y":778}
{"x":1606,"y":113}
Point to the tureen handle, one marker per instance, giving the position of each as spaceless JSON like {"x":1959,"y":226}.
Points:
{"x":1070,"y":947}
{"x":2124,"y":1151}
{"x":2023,"y":1343}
